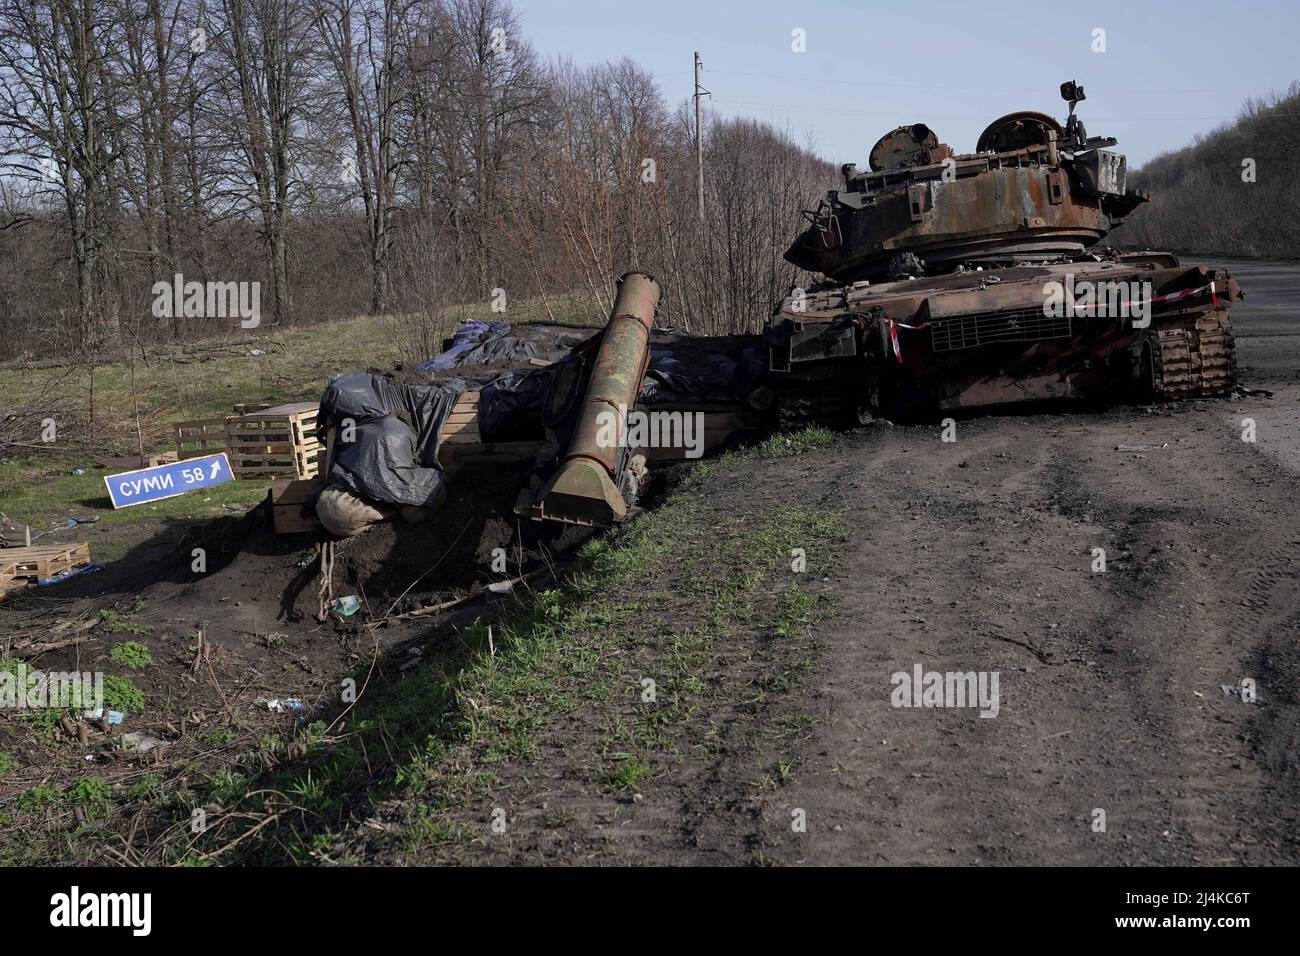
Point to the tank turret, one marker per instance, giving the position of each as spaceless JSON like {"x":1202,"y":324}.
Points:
{"x":1033,"y":191}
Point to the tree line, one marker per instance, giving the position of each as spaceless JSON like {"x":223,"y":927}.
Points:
{"x":1233,"y":191}
{"x":358,"y":156}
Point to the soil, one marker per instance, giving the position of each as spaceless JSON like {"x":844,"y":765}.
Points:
{"x":973,"y":555}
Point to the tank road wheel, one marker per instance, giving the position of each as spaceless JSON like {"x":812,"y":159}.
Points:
{"x":1200,"y":360}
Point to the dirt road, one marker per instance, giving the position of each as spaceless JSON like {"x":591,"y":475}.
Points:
{"x":978,"y":555}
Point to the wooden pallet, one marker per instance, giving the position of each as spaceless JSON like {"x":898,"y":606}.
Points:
{"x":461,"y":426}
{"x":22,"y":567}
{"x":286,"y":497}
{"x":462,"y":444}
{"x":277,"y":442}
{"x":204,"y":436}
{"x":457,"y":455}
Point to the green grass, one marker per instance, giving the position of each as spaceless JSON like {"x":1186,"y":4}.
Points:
{"x":796,"y":609}
{"x":37,"y":798}
{"x":8,"y":762}
{"x":630,"y":774}
{"x":795,"y":443}
{"x":132,"y":654}
{"x":117,"y":621}
{"x":121,"y":694}
{"x":92,"y":795}
{"x":148,"y":787}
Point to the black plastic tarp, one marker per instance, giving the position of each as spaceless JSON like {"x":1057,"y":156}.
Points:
{"x":510,"y":406}
{"x":395,"y":431}
{"x":478,"y":343}
{"x":679,"y":373}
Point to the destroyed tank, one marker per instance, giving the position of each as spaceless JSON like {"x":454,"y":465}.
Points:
{"x":969,"y":280}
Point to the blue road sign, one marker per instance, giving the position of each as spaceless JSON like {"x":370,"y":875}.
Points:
{"x":167,"y":481}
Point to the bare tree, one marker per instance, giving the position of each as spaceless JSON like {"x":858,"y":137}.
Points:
{"x":266,"y":56}
{"x":58,"y":114}
{"x":365,"y":42}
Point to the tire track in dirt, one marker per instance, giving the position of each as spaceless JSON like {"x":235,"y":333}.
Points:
{"x":724,"y":812}
{"x":1126,"y":716}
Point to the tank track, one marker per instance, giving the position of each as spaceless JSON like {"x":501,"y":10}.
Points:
{"x":1187,"y":362}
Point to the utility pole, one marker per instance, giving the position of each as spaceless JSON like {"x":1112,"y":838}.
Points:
{"x":699,"y":137}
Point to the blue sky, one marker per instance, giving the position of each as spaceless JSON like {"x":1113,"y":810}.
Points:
{"x":1170,"y":70}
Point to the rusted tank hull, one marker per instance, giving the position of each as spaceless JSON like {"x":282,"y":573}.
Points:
{"x":980,"y":340}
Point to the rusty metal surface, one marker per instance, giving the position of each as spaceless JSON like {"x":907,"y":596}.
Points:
{"x":1033,"y":190}
{"x":584,"y":489}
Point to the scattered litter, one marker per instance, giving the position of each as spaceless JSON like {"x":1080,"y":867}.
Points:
{"x":1230,"y":691}
{"x":346,"y":606}
{"x":1141,"y":447}
{"x":141,"y":743}
{"x":501,"y":587}
{"x":256,"y":352}
{"x":78,"y":471}
{"x":288,"y":705}
{"x":114,"y":716}
{"x":70,"y":523}
{"x":69,"y":573}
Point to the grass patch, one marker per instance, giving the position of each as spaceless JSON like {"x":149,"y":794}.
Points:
{"x":92,"y":795}
{"x":121,"y":694}
{"x":796,"y":609}
{"x":795,"y":443}
{"x":117,"y":621}
{"x":132,"y":654}
{"x":630,"y":774}
{"x":37,"y":798}
{"x":149,"y":787}
{"x":8,"y":762}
